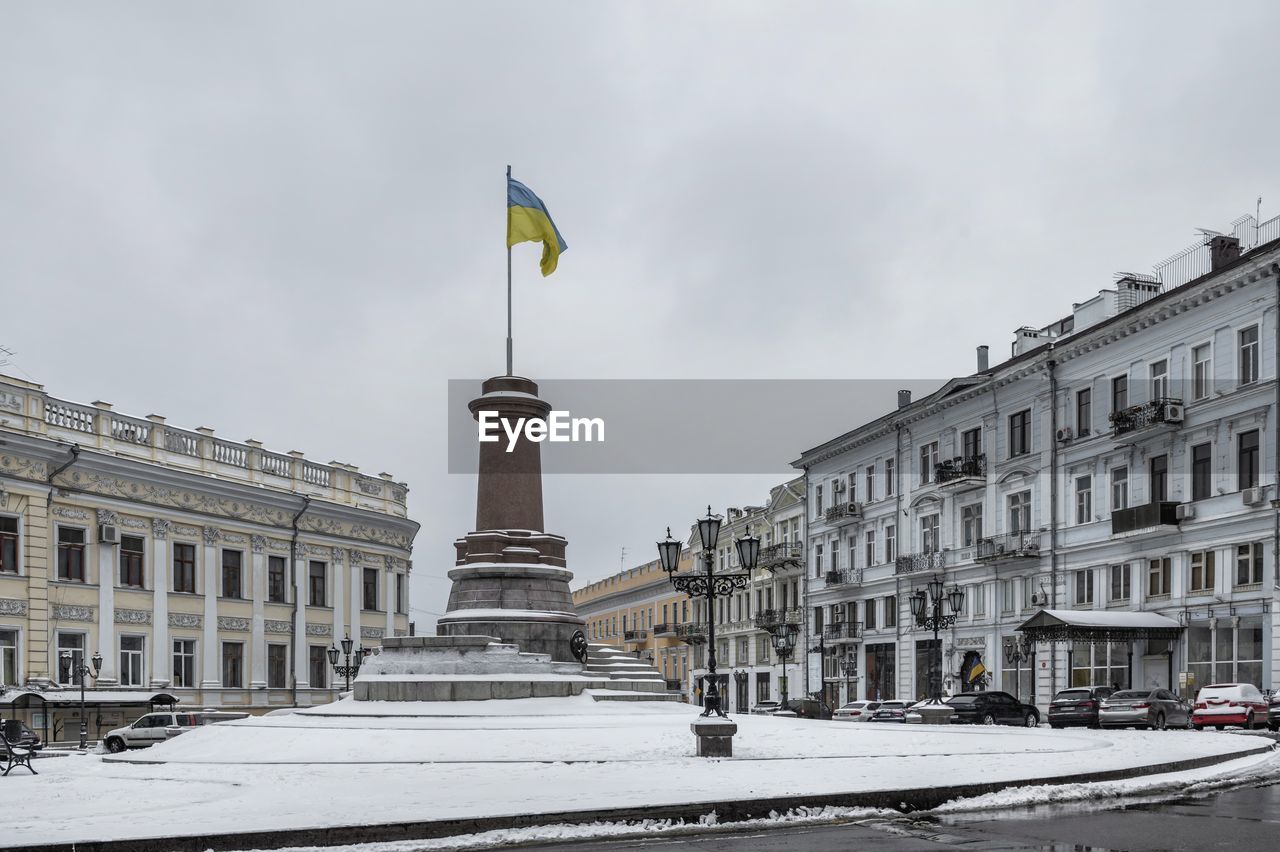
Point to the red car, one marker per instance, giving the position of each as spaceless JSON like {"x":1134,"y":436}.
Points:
{"x":1222,"y":704}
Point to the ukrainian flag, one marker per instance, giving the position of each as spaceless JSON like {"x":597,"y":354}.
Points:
{"x":529,"y":222}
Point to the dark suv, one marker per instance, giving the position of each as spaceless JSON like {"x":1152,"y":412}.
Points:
{"x":809,"y":708}
{"x":992,"y":708}
{"x":1077,"y":706}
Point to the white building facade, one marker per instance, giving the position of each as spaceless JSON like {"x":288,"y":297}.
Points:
{"x":1122,"y":460}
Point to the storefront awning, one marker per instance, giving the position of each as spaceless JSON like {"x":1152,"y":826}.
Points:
{"x":21,"y":699}
{"x":1087,"y":625}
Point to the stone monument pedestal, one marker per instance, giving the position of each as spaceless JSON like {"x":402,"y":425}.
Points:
{"x":715,"y":736}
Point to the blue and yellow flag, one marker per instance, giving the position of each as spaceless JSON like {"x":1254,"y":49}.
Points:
{"x":529,"y":222}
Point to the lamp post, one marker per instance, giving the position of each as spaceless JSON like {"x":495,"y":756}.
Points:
{"x":347,"y":669}
{"x":740,"y":678}
{"x":1017,"y":650}
{"x":926,"y":610}
{"x":81,"y":671}
{"x":850,"y":668}
{"x":784,"y":643}
{"x":709,"y":585}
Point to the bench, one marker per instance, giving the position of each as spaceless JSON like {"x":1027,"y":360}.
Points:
{"x":16,"y":755}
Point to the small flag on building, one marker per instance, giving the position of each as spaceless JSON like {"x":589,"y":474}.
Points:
{"x":529,"y":222}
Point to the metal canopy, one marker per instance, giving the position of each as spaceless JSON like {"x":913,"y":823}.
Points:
{"x":1092,"y":626}
{"x":25,"y":699}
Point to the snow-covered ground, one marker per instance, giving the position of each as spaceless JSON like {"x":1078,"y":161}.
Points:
{"x":470,"y":759}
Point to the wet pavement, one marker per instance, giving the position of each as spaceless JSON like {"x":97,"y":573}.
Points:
{"x":1241,"y":820}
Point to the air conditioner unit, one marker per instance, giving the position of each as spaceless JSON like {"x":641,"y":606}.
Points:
{"x":854,"y":510}
{"x":1184,"y":511}
{"x":1173,"y":413}
{"x":1065,"y":434}
{"x":108,"y":534}
{"x":1253,"y":496}
{"x":1038,"y":599}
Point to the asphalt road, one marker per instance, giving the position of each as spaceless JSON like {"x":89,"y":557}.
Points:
{"x":1241,"y":820}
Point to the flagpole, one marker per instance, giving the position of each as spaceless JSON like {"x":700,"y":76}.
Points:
{"x":509,"y":370}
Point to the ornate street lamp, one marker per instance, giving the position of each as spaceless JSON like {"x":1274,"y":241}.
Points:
{"x":1017,"y":650}
{"x":850,"y":668}
{"x":81,"y":671}
{"x":784,"y":643}
{"x":740,"y":678}
{"x":709,"y":585}
{"x":926,"y":611}
{"x":347,"y":669}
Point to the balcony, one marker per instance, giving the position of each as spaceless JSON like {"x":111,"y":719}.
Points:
{"x":961,"y":473}
{"x":665,"y":629}
{"x":1016,"y":545}
{"x":693,"y":633}
{"x":1149,"y":516}
{"x":843,"y":513}
{"x":844,"y":578}
{"x":917,"y":562}
{"x":635,"y":635}
{"x":785,"y":555}
{"x":769,"y":619}
{"x":1147,"y":415}
{"x":841,"y":632}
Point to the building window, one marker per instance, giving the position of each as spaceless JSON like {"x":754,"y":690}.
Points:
{"x":184,"y":567}
{"x":1104,"y":663}
{"x":1247,"y":460}
{"x":1249,"y":355}
{"x":971,"y":523}
{"x":184,"y":662}
{"x":971,"y":443}
{"x":1120,"y":583}
{"x":928,"y":461}
{"x":400,"y":601}
{"x":890,"y":482}
{"x":1201,"y":471}
{"x":316,"y":574}
{"x":1084,"y":412}
{"x":1249,"y":564}
{"x":1119,"y":393}
{"x":1019,"y":433}
{"x":277,"y":666}
{"x":276,"y":580}
{"x":1119,"y":488}
{"x":1226,"y":653}
{"x":929,"y":534}
{"x":1202,"y":571}
{"x":1159,"y":466}
{"x":979,"y":600}
{"x":369,"y":597}
{"x":9,"y":658}
{"x":1084,"y":587}
{"x":1158,"y":576}
{"x":132,"y":548}
{"x":1008,"y":596}
{"x":131,"y":658}
{"x":870,"y":547}
{"x":8,"y":545}
{"x":869,"y":614}
{"x":1160,"y":380}
{"x":890,"y":542}
{"x":817,"y":560}
{"x":891,"y":611}
{"x":233,"y":665}
{"x":1020,"y":512}
{"x":817,"y":500}
{"x":853,"y":487}
{"x":1084,"y":499}
{"x":232,"y":585}
{"x":1201,"y":371}
{"x":73,"y":642}
{"x":71,"y":554}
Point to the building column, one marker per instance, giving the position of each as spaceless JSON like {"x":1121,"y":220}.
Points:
{"x":339,"y":594}
{"x":161,"y":659}
{"x":106,"y":604}
{"x":211,"y":671}
{"x":258,"y":632}
{"x":355,"y":567}
{"x":388,"y":595}
{"x":301,"y":678}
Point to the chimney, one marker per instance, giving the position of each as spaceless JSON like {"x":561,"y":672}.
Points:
{"x":1132,"y":290}
{"x":904,"y":398}
{"x":984,"y":362}
{"x":1222,"y":250}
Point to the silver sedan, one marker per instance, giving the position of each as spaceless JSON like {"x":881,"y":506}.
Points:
{"x":1144,"y":708}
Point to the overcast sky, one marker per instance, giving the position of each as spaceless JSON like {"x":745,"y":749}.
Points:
{"x":285,"y":221}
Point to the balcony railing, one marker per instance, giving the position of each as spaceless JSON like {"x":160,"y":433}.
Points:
{"x":1017,"y":545}
{"x":635,"y":635}
{"x":962,"y":470}
{"x":915,"y":562}
{"x":843,"y":511}
{"x":694,"y":633}
{"x":842,"y":631}
{"x":1144,"y":517}
{"x":665,"y":629}
{"x":777,"y":556}
{"x":1157,"y":412}
{"x":768,"y":619}
{"x":844,"y":578}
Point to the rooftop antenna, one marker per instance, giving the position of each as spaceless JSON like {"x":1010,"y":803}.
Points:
{"x":622,"y":560}
{"x":1257,"y":215}
{"x":5,"y":354}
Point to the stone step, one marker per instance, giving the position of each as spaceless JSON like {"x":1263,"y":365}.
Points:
{"x":634,"y":696}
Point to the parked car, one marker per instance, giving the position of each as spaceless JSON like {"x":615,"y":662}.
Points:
{"x":1144,"y":708}
{"x":856,"y":711}
{"x":765,"y":708}
{"x":1222,"y":704}
{"x":1077,"y":706}
{"x":17,"y":732}
{"x":155,"y":728}
{"x":205,"y":717}
{"x":1273,"y":715}
{"x":992,"y":708}
{"x":892,"y":710}
{"x":912,"y":716}
{"x":808,"y":708}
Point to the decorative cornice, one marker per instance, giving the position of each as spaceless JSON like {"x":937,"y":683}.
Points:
{"x":319,"y":629}
{"x":371,"y":632}
{"x":186,"y":619}
{"x":71,"y":514}
{"x":182,"y":529}
{"x":133,"y":523}
{"x":64,"y":612}
{"x":234,"y":538}
{"x":272,"y":625}
{"x":11,"y":606}
{"x":227,"y":622}
{"x":133,"y":616}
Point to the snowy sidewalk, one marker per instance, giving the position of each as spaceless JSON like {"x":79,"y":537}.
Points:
{"x":322,"y":770}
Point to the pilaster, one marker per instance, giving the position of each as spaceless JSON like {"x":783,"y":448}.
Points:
{"x":258,"y":633}
{"x":301,"y":678}
{"x":106,"y":603}
{"x":336,"y":558}
{"x":161,"y":659}
{"x":211,"y":670}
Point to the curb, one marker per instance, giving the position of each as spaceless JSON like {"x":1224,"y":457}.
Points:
{"x":905,"y":800}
